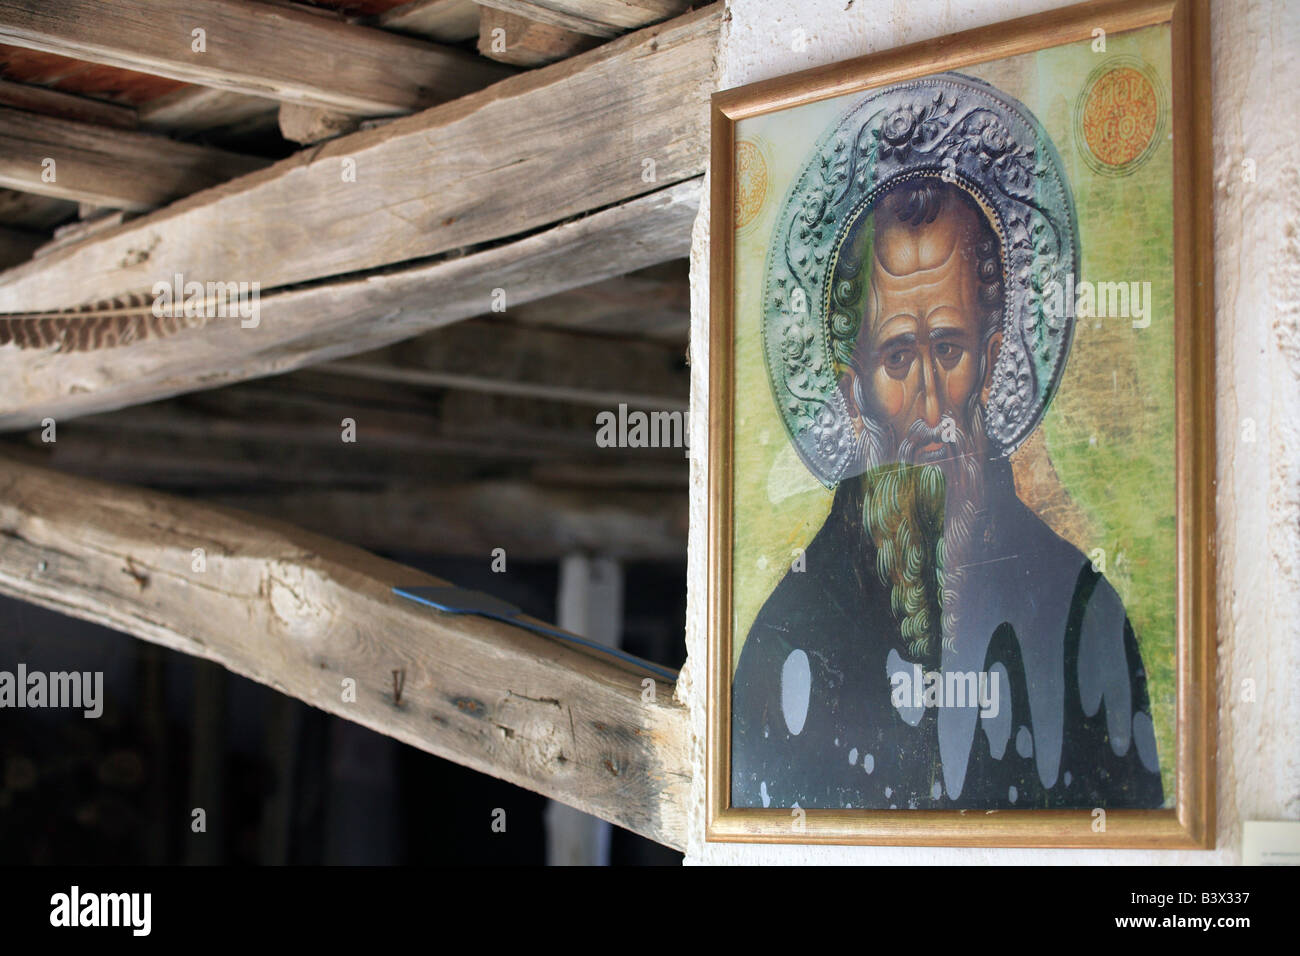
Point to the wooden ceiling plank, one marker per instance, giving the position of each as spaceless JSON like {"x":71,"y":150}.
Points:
{"x":519,"y":41}
{"x":47,"y":102}
{"x":597,"y":18}
{"x":446,"y":21}
{"x":194,"y":109}
{"x":532,"y":523}
{"x":503,"y":358}
{"x":259,"y":49}
{"x":118,"y":169}
{"x":186,"y":458}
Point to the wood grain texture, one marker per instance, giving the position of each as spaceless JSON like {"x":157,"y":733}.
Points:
{"x":70,"y":75}
{"x":38,"y":99}
{"x":192,"y":109}
{"x":206,"y":464}
{"x":531,"y":522}
{"x":54,"y":366}
{"x":305,"y":408}
{"x":259,"y":49}
{"x":310,"y":124}
{"x":597,"y":18}
{"x":301,"y":613}
{"x":652,"y":303}
{"x":118,"y":169}
{"x":531,"y":150}
{"x":512,"y":39}
{"x":446,"y":21}
{"x":507,"y":359}
{"x":83,"y":229}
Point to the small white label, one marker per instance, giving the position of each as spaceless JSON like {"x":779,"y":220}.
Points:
{"x":1270,"y":843}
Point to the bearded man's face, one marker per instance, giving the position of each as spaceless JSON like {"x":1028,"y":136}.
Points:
{"x":921,"y":378}
{"x":921,"y":354}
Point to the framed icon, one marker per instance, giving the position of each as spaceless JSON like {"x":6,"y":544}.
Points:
{"x":961,"y":441}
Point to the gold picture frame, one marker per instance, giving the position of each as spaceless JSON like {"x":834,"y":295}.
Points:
{"x":1190,"y":822}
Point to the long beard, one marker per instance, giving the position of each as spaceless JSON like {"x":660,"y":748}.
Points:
{"x":922,"y":518}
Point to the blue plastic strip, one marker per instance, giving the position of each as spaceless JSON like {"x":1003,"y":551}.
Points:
{"x":454,"y":600}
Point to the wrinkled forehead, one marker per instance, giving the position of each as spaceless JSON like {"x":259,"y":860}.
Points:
{"x":934,"y":259}
{"x":902,"y":249}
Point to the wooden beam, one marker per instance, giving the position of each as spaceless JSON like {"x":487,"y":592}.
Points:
{"x":306,"y":125}
{"x":506,"y":359}
{"x":619,"y":121}
{"x":652,"y":303}
{"x":196,"y":109}
{"x":304,"y":615}
{"x":310,"y":124}
{"x":515,"y":40}
{"x":289,"y":431}
{"x":60,"y":367}
{"x":597,"y":18}
{"x":532,"y":523}
{"x":206,"y":465}
{"x":47,"y":102}
{"x":107,"y":167}
{"x":83,"y":229}
{"x":389,"y":419}
{"x":259,"y":49}
{"x":70,"y":75}
{"x":446,"y":21}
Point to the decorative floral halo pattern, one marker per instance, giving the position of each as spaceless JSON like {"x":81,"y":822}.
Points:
{"x":967,"y":133}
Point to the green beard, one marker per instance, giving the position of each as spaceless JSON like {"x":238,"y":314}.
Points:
{"x":903,"y":511}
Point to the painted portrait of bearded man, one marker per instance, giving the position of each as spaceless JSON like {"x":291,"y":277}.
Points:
{"x":938,"y":646}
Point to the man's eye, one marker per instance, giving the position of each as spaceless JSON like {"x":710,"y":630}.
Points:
{"x":898,"y":359}
{"x":947,"y":353}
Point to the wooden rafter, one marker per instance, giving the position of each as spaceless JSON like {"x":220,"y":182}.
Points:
{"x":446,"y":21}
{"x":47,"y":102}
{"x":521,"y":42}
{"x":597,"y":18}
{"x":201,"y":108}
{"x":531,"y":522}
{"x":505,"y":359}
{"x":208,"y":464}
{"x":648,"y":304}
{"x":619,"y":121}
{"x":65,"y":367}
{"x":305,"y":409}
{"x":118,"y":169}
{"x":331,"y":64}
{"x":313,"y":615}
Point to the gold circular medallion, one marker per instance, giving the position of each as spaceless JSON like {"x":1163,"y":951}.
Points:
{"x":1119,"y":118}
{"x":751,"y":182}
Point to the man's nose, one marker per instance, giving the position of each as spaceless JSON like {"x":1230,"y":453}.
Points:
{"x":929,"y":392}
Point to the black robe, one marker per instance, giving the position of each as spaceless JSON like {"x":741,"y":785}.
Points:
{"x":815,"y":715}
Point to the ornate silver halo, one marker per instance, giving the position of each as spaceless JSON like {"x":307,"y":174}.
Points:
{"x":967,"y":133}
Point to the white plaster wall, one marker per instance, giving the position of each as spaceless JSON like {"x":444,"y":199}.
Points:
{"x":1256,"y":75}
